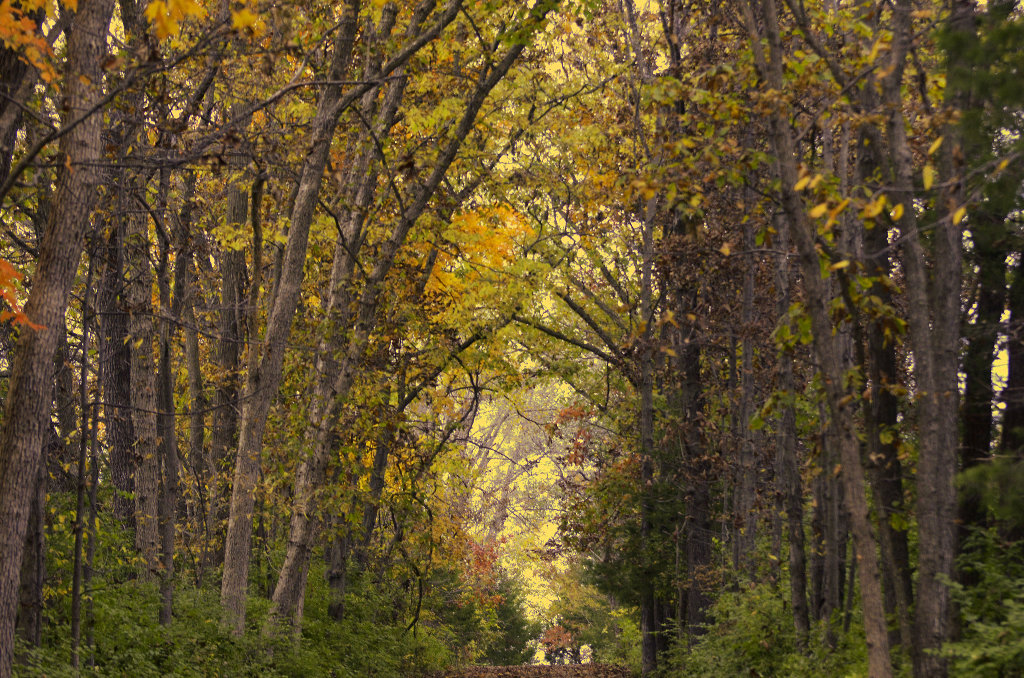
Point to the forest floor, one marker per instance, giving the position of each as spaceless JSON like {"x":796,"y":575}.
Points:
{"x":561,"y":671}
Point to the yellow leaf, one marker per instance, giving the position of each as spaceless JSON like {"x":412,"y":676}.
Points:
{"x":70,"y":4}
{"x":935,"y":146}
{"x":1003,"y":164}
{"x":243,"y":19}
{"x":896,"y":212}
{"x":695,"y":200}
{"x":802,"y":184}
{"x":959,"y":215}
{"x":725,"y":249}
{"x":838,"y":209}
{"x":874,"y":208}
{"x":819,"y":210}
{"x":928,"y":175}
{"x":839,"y":265}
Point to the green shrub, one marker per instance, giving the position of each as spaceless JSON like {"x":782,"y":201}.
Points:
{"x":752,"y":634}
{"x":992,"y":608}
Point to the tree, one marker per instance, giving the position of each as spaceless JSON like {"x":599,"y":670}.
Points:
{"x":28,"y":397}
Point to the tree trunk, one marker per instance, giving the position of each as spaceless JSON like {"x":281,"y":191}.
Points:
{"x":224,"y":427}
{"x":115,"y":355}
{"x":85,"y":436}
{"x":264,"y":373}
{"x":826,"y":347}
{"x":933,"y":303}
{"x":28,"y":400}
{"x":168,"y":433}
{"x":33,"y":565}
{"x":881,"y":421}
{"x":143,"y":392}
{"x":336,"y":377}
{"x":746,"y":485}
{"x":787,"y":468}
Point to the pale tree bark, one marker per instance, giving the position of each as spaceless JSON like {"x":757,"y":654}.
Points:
{"x":266,"y":361}
{"x":336,"y":377}
{"x":26,"y":407}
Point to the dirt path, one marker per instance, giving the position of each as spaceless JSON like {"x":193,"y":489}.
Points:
{"x":567,"y":671}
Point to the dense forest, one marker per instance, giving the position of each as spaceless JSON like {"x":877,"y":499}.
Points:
{"x":393,"y":337}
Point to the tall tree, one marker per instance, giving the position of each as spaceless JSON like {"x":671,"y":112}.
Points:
{"x":28,"y":399}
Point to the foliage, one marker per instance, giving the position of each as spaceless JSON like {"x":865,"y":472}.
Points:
{"x":992,"y":639}
{"x":130,"y":642}
{"x":514,"y":634}
{"x":752,"y":634}
{"x":594,"y":620}
{"x":996,"y":486}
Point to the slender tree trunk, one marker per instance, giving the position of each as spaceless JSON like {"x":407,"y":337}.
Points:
{"x":881,"y":420}
{"x":933,"y":303}
{"x":644,"y":382}
{"x":825,"y":345}
{"x":746,"y":486}
{"x":168,"y":433}
{"x":787,"y":468}
{"x":93,"y":529}
{"x":336,"y":378}
{"x":224,"y":428}
{"x":115,"y":356}
{"x":187,"y":296}
{"x":29,"y":395}
{"x":83,"y":447}
{"x":264,"y":373}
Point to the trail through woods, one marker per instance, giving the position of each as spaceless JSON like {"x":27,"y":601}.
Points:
{"x":565,"y":671}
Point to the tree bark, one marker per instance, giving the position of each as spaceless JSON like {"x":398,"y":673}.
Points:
{"x":264,"y":373}
{"x":224,"y":427}
{"x":167,"y":430}
{"x":881,"y":421}
{"x":27,"y":404}
{"x":115,"y":355}
{"x":337,"y":377}
{"x":933,"y":303}
{"x":827,"y":350}
{"x":787,"y":467}
{"x":143,"y":392}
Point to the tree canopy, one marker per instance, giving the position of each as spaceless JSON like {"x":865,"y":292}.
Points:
{"x":377,"y":338}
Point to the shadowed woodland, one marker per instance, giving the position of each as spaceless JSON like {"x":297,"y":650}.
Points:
{"x":416,"y":337}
